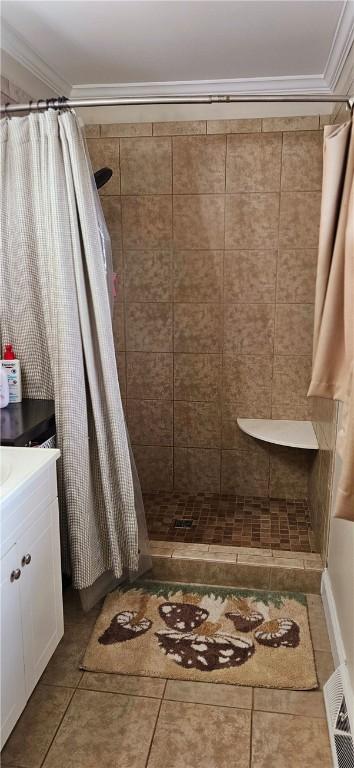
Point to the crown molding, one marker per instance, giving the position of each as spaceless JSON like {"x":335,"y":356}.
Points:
{"x":342,"y":41}
{"x":254,"y":86}
{"x":15,"y":45}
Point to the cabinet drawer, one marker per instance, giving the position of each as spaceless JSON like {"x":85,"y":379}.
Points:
{"x":20,"y":512}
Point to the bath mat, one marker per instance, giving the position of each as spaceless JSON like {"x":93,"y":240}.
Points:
{"x":208,"y":634}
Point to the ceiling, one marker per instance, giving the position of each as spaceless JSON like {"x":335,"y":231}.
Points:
{"x":98,"y":46}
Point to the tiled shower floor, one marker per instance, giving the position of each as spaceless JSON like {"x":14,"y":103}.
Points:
{"x":242,"y":521}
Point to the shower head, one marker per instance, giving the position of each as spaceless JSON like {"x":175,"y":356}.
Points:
{"x":102,"y":176}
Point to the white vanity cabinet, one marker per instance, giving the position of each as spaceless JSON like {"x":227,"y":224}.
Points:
{"x":31,"y":594}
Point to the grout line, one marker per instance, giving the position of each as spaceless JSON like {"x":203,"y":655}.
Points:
{"x":155,"y":726}
{"x":251,"y":734}
{"x":59,"y":725}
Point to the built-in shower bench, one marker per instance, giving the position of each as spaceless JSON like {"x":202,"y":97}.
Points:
{"x":293,"y":434}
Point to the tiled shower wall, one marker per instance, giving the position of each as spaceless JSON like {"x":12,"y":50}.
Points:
{"x":214,"y":227}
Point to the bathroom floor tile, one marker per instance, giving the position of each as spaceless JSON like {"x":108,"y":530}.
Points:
{"x":152,"y":687}
{"x":305,"y":703}
{"x":105,"y":730}
{"x":196,"y":736}
{"x":296,"y":742}
{"x":31,"y":737}
{"x":209,"y":693}
{"x":255,"y":523}
{"x":63,"y":668}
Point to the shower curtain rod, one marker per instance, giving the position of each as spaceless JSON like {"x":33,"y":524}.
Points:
{"x":62,"y":102}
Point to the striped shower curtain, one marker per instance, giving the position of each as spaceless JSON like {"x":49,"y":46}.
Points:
{"x":55,"y":311}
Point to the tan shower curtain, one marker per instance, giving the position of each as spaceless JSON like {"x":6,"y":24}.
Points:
{"x":333,"y":349}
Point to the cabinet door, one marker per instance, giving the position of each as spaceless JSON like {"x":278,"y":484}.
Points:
{"x":13,"y":693}
{"x":41,"y":594}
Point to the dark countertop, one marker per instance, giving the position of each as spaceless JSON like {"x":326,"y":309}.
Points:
{"x":25,"y":422}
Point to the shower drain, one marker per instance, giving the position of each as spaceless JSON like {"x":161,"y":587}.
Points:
{"x":183,"y":523}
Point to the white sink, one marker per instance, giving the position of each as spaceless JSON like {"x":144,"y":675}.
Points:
{"x":18,"y":465}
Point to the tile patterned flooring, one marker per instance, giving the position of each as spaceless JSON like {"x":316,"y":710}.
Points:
{"x":243,"y":521}
{"x":80,"y":719}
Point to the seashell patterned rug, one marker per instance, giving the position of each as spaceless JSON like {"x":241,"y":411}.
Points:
{"x":209,"y":634}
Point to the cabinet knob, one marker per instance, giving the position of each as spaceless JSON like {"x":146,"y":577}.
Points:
{"x":26,"y":559}
{"x":15,"y":574}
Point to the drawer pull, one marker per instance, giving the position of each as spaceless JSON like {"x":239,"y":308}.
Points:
{"x":26,"y":559}
{"x":15,"y":574}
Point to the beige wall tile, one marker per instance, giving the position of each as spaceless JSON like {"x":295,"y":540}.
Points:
{"x":197,"y":276}
{"x":155,"y":467}
{"x":122,"y":374}
{"x":255,"y":559}
{"x":308,"y":123}
{"x":150,"y":422}
{"x":179,"y":128}
{"x":299,"y":219}
{"x":253,"y":162}
{"x":208,"y":693}
{"x":291,"y":379}
{"x":198,"y":164}
{"x":160,"y":551}
{"x":249,"y":328}
{"x":149,"y":375}
{"x":147,"y":222}
{"x":232,"y":435}
{"x":302,"y":161}
{"x":197,"y":469}
{"x":212,"y":557}
{"x":118,"y":323}
{"x":251,"y":576}
{"x":247,"y":378}
{"x":126,"y":129}
{"x":205,"y":572}
{"x":197,"y":327}
{"x":285,"y":747}
{"x":146,"y":166}
{"x":251,"y":221}
{"x":198,"y":221}
{"x":250,"y":276}
{"x":293,"y":329}
{"x":148,"y":275}
{"x":288,"y":562}
{"x":92,"y":131}
{"x":197,"y":377}
{"x":296,"y":276}
{"x":149,"y":327}
{"x":111,"y":207}
{"x":248,"y":125}
{"x":295,"y":580}
{"x":245,"y":473}
{"x":197,"y":425}
{"x":105,"y":153}
{"x":297,"y":412}
{"x":289,"y":472}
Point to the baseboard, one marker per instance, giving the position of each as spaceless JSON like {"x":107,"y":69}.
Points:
{"x":333,"y":626}
{"x":336,"y":641}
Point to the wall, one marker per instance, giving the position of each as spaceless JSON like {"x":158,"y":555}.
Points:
{"x":214,"y":227}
